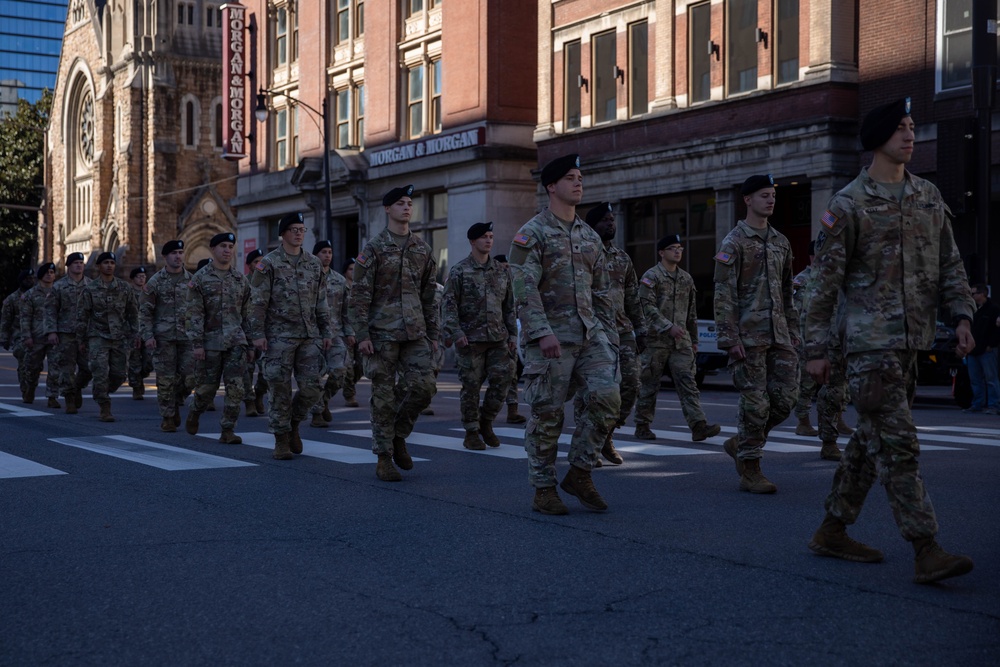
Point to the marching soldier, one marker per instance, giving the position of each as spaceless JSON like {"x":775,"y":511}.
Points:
{"x":516,"y":367}
{"x":161,"y":328}
{"x":217,"y":328}
{"x":140,"y":360}
{"x":354,"y":369}
{"x":807,"y":386}
{"x":395,"y":318}
{"x":38,"y":332}
{"x":10,"y":326}
{"x":69,"y":356}
{"x":479,"y":320}
{"x":335,"y":355}
{"x":254,"y":393}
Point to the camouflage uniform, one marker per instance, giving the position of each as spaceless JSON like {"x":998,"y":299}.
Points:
{"x":668,"y":300}
{"x":10,"y":329}
{"x":336,"y":355}
{"x":289,"y":310}
{"x":38,"y":319}
{"x":353,"y":360}
{"x":832,"y":396}
{"x":108,"y":321}
{"x":753,"y":306}
{"x":216,"y":322}
{"x":896,"y":262}
{"x":561,"y":288}
{"x":807,"y":386}
{"x":140,"y":359}
{"x":393,"y":304}
{"x":479,"y":305}
{"x":68,"y":356}
{"x":162,"y":316}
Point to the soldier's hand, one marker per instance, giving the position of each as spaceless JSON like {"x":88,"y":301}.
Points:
{"x":819,"y":370}
{"x":260,"y":344}
{"x":28,"y":342}
{"x":53,"y":339}
{"x":737,"y":353}
{"x":676,"y":331}
{"x":351,"y":341}
{"x":462,"y":342}
{"x":512,"y":347}
{"x":366,"y":348}
{"x":327,"y":343}
{"x":549,"y":345}
{"x":434,"y":346}
{"x":199,"y":353}
{"x":640,"y":343}
{"x":150,"y":344}
{"x":966,"y":343}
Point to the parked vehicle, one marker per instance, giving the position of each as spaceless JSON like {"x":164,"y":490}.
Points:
{"x":710,"y":358}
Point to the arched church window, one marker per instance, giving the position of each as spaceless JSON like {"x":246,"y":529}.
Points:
{"x":87,"y":129}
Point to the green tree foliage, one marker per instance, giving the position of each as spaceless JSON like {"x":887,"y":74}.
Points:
{"x":22,"y":186}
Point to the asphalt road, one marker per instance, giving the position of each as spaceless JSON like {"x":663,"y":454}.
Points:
{"x":123,"y":545}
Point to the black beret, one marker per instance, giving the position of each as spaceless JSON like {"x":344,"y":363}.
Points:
{"x":225,"y":237}
{"x":348,"y":264}
{"x":755,"y":183}
{"x":320,"y":245}
{"x":136,"y":271}
{"x":668,"y":240}
{"x":288,"y":220}
{"x":75,"y":257}
{"x":252,"y":257}
{"x":170,"y":246}
{"x":596,"y":214}
{"x":479,"y":230}
{"x":558,"y":168}
{"x":106,"y":256}
{"x":394,"y":195}
{"x":881,"y":122}
{"x":202,"y":263}
{"x":44,"y":268}
{"x":500,"y":258}
{"x":812,"y":247}
{"x":25,"y":273}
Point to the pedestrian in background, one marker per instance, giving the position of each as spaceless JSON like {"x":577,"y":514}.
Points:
{"x":982,"y":361}
{"x":516,"y":367}
{"x":353,"y":363}
{"x":335,"y":356}
{"x":140,"y":359}
{"x":10,"y":326}
{"x":254,"y":397}
{"x":70,"y":355}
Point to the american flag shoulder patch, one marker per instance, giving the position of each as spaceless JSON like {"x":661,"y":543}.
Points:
{"x":724,"y":257}
{"x":522,"y":239}
{"x":829,"y":219}
{"x":648,"y":283}
{"x":362,"y":259}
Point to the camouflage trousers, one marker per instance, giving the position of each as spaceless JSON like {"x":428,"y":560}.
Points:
{"x":830,"y":403}
{"x":108,"y":360}
{"x":70,"y":363}
{"x":221,"y":366}
{"x":248,"y":384}
{"x":768,"y":383}
{"x":303,"y":358}
{"x":808,"y":389}
{"x":655,"y":361}
{"x":589,"y":369}
{"x":882,"y":385}
{"x":34,"y":361}
{"x":140,"y":365}
{"x":20,"y":352}
{"x":402,"y":375}
{"x":335,"y":360}
{"x":478,"y":362}
{"x":354,"y":371}
{"x":176,"y":374}
{"x":516,"y":368}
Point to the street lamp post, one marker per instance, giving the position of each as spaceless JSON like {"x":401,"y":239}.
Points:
{"x":261,"y":113}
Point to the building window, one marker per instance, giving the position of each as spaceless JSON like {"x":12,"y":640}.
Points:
{"x":415,"y":101}
{"x":293,"y":135}
{"x":605,"y":82}
{"x":573,"y":84}
{"x":435,"y":96}
{"x":788,"y":41}
{"x":190,"y":121}
{"x":700,"y":52}
{"x":87,"y":129}
{"x":209,"y":16}
{"x":217,"y":125}
{"x":956,"y":44}
{"x":414,"y":6}
{"x":741,"y":46}
{"x":359,"y":114}
{"x":281,"y":37}
{"x":281,"y":138}
{"x":359,"y":19}
{"x":343,"y":118}
{"x":295,"y":36}
{"x":638,"y":65}
{"x":343,"y":31}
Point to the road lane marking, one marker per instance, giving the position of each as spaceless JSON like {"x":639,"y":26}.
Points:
{"x":14,"y":466}
{"x":21,"y":411}
{"x":149,"y":453}
{"x":453,"y":444}
{"x":314,"y":448}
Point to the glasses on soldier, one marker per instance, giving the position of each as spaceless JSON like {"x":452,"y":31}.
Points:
{"x":296,"y":230}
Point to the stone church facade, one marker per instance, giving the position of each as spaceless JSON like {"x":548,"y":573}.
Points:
{"x":134,"y":145}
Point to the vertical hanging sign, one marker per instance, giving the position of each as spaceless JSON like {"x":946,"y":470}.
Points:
{"x":234,"y":97}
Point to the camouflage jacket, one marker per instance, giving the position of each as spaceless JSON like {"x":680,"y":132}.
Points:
{"x":37,"y":313}
{"x":623,"y":291}
{"x":799,"y":289}
{"x":336,"y":299}
{"x":108,"y":310}
{"x":668,"y":300}
{"x":217,"y":309}
{"x":896,"y":262}
{"x":753,"y":289}
{"x":479,"y":303}
{"x":393,"y":293}
{"x":288,"y":299}
{"x":164,"y":304}
{"x":560,"y":280}
{"x":10,"y":319}
{"x":69,"y":293}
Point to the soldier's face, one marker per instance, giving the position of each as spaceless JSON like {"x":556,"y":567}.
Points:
{"x":139,"y":280}
{"x":294,"y":236}
{"x":76,"y":268}
{"x":484,"y":243}
{"x":325,"y":256}
{"x":175,"y":259}
{"x":27,"y":282}
{"x":401,"y":210}
{"x":107,"y":269}
{"x":899,"y":148}
{"x":761,"y":203}
{"x":569,"y":188}
{"x":672,"y":254}
{"x":606,"y":228}
{"x":349,"y":273}
{"x":49,"y":277}
{"x":223,"y":253}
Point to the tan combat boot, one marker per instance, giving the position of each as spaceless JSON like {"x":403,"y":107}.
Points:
{"x":609,"y":452}
{"x":230,"y":438}
{"x":830,"y":451}
{"x":318,"y":421}
{"x":578,"y":482}
{"x":843,"y":428}
{"x":643,"y":433}
{"x":105,"y":415}
{"x":473,"y":441}
{"x":167,"y":426}
{"x":385,"y":471}
{"x":753,"y":479}
{"x":832,"y":540}
{"x":191,"y":423}
{"x":282,"y":451}
{"x":351,"y":402}
{"x":400,"y":455}
{"x":486,"y":430}
{"x":804,"y":427}
{"x":934,"y":563}
{"x":732,"y":448}
{"x":703,"y":430}
{"x":251,"y":408}
{"x":547,"y":501}
{"x":294,"y":439}
{"x":513,"y":417}
{"x":71,"y":407}
{"x":53,"y":403}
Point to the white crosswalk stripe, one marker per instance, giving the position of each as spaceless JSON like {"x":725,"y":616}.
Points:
{"x":453,"y":444}
{"x":14,"y":466}
{"x":315,"y":448}
{"x":15,"y":410}
{"x":150,"y":453}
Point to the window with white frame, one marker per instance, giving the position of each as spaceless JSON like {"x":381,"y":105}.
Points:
{"x":638,"y":67}
{"x":435,"y":95}
{"x":741,"y":46}
{"x":604,"y":73}
{"x":281,"y":138}
{"x":359,"y":115}
{"x":342,"y":132}
{"x":415,"y":101}
{"x":955,"y":43}
{"x":700,"y":54}
{"x":281,"y":37}
{"x":573,"y":84}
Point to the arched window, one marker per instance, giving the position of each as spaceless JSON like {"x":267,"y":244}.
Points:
{"x":190,"y":121}
{"x":80,"y":136}
{"x":217,"y":123}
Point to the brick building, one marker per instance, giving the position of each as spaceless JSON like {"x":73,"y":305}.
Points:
{"x":134,"y":142}
{"x":433,"y":93}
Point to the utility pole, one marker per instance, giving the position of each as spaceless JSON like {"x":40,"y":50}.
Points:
{"x":984,"y":77}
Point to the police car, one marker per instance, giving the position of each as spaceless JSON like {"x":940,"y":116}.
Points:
{"x":710,"y":358}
